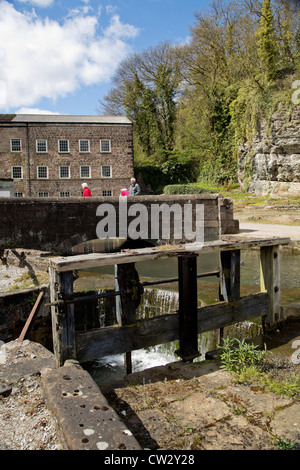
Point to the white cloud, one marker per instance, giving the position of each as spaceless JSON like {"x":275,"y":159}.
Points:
{"x":39,"y":3}
{"x":34,"y":111}
{"x":42,"y":58}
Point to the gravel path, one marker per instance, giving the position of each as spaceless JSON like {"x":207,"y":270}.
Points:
{"x":270,"y":230}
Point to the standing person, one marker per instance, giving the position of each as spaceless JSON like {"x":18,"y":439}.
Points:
{"x":86,"y":191}
{"x":134,"y":188}
{"x":124,"y":192}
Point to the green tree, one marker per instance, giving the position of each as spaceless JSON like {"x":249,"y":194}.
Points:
{"x":266,"y":41}
{"x":145,"y":89}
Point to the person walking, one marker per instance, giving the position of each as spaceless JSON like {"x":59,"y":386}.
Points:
{"x":86,"y":190}
{"x":134,"y":188}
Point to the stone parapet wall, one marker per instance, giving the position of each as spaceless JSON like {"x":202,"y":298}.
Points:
{"x":56,"y":225}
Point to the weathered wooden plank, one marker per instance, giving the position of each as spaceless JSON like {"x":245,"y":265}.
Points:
{"x":164,"y":329}
{"x":188,"y":341}
{"x":270,"y":282}
{"x":121,"y":339}
{"x":224,"y":314}
{"x":63,"y":329}
{"x":230,"y":275}
{"x":62,"y":264}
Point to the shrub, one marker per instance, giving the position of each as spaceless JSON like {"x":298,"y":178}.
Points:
{"x":186,"y":189}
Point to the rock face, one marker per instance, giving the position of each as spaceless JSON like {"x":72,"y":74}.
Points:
{"x":273,"y":158}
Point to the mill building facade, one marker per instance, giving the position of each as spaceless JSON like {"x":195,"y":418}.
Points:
{"x":52,"y":155}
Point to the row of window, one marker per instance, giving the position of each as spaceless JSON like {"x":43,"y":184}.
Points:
{"x":63,"y":146}
{"x":63,"y":194}
{"x":64,"y":172}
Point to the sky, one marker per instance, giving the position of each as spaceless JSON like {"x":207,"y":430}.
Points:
{"x":58,"y":56}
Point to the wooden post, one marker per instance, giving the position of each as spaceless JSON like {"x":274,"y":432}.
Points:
{"x":63,"y":330}
{"x":128,"y":283}
{"x":230,"y":275}
{"x":230,"y":280}
{"x":270,"y":282}
{"x":188,"y":326}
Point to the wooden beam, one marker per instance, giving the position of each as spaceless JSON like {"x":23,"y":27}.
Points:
{"x":128,"y":283}
{"x":164,"y":329}
{"x":81,"y":262}
{"x":31,"y":318}
{"x":270,"y":282}
{"x":230,"y":275}
{"x":188,"y":338}
{"x":63,"y":329}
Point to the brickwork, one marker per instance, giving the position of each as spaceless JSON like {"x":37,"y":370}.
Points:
{"x":82,"y":166}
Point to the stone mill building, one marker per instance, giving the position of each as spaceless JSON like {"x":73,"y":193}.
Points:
{"x":52,"y":155}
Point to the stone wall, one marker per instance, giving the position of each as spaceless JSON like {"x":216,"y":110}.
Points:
{"x":15,"y":308}
{"x":273,"y":158}
{"x":56,"y":225}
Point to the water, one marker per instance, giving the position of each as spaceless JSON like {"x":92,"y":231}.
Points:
{"x":161,"y":301}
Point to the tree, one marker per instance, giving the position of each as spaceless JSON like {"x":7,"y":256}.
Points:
{"x":145,"y":89}
{"x":267,"y":47}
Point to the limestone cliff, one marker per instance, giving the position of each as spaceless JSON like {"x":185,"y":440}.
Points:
{"x":271,"y":163}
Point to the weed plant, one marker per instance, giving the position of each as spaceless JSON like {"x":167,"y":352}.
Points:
{"x":236,"y":355}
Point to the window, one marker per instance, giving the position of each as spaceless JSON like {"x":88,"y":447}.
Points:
{"x":105,"y":146}
{"x":63,"y":146}
{"x":106,"y":171}
{"x":42,"y":172}
{"x":84,"y":146}
{"x":16,"y":145}
{"x":64,"y":172}
{"x":17,"y":172}
{"x":85,"y":172}
{"x":107,"y":193}
{"x":43,"y":194}
{"x":18,"y":194}
{"x":64,"y":194}
{"x":41,"y":146}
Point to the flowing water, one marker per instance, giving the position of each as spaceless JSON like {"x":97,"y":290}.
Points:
{"x":159,"y":301}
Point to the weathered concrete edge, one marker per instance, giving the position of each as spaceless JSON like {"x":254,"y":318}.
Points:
{"x":84,"y":417}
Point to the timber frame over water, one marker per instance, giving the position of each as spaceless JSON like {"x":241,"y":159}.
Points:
{"x":183,"y":325}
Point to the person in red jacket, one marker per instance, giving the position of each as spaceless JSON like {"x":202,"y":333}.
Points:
{"x":86,"y":191}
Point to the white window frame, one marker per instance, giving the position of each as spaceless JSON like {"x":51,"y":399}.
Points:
{"x":64,"y":194}
{"x":63,"y":151}
{"x":84,"y":176}
{"x":84,"y":151}
{"x":11,"y":145}
{"x":37,"y":145}
{"x":110,"y":171}
{"x":43,"y":194}
{"x":109,"y":145}
{"x":42,"y":177}
{"x":107,"y":191}
{"x":64,"y":177}
{"x":12,"y":172}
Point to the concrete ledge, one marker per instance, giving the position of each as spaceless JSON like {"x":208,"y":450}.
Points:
{"x":84,"y":417}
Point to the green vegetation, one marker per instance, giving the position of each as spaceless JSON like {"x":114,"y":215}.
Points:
{"x":195,"y":106}
{"x":248,"y":364}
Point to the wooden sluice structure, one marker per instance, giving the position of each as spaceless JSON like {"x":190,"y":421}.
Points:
{"x":185,"y":324}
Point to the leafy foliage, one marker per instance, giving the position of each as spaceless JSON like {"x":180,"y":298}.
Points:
{"x":201,"y":101}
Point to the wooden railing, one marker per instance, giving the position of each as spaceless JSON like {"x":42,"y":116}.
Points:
{"x":183,"y":325}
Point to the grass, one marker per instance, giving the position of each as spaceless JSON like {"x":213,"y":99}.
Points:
{"x":28,"y":280}
{"x":250,"y":365}
{"x":242,"y":199}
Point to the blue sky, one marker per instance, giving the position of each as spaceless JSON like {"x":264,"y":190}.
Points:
{"x":58,"y":56}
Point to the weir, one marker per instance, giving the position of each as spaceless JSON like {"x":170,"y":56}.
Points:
{"x":183,"y":325}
